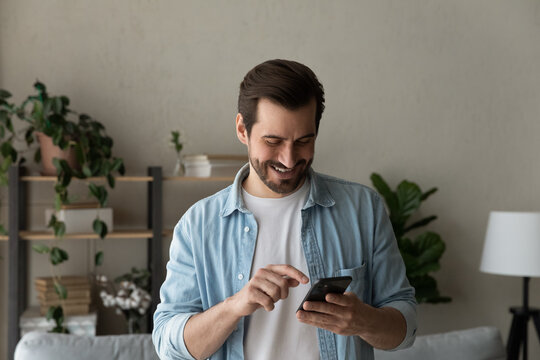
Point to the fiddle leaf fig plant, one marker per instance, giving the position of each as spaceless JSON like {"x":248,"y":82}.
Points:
{"x":422,"y":253}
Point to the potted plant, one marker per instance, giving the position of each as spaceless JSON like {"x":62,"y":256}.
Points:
{"x":421,"y":254}
{"x":81,"y":149}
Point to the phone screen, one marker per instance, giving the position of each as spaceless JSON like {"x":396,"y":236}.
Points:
{"x":332,"y":285}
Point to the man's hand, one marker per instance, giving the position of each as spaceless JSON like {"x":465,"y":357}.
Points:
{"x":341,"y":314}
{"x":265,"y":288}
{"x":346,"y":314}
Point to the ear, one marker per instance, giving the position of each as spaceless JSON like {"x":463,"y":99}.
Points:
{"x":241,"y":131}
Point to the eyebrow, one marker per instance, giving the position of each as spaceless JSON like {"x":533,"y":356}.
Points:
{"x":282,"y":138}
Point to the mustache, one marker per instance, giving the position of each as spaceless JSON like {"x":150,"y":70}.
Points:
{"x":280,"y":165}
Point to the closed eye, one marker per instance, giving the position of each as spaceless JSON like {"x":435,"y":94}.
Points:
{"x":273,"y":142}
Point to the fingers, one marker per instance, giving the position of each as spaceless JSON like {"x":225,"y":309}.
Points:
{"x":290,"y":271}
{"x":322,"y":307}
{"x":343,"y":300}
{"x":273,"y":284}
{"x":267,"y":286}
{"x":323,"y":321}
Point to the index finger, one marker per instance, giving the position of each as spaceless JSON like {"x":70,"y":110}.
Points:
{"x":290,"y":271}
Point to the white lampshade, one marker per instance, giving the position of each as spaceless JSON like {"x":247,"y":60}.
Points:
{"x":512,"y":244}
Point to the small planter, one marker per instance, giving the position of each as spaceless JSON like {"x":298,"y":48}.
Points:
{"x":50,"y":151}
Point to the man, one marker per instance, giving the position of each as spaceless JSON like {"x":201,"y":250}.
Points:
{"x":242,"y":260}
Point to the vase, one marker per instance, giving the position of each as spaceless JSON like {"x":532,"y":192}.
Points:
{"x":133,"y":325}
{"x":178,"y":167}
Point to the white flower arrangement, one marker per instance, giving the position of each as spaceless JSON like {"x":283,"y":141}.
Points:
{"x":129,"y":299}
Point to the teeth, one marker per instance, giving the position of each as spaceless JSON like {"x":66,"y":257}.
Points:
{"x":282,"y":170}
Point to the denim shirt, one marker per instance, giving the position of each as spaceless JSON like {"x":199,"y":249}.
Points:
{"x":345,"y":231}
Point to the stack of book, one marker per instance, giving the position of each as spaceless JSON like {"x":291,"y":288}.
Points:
{"x":203,"y":165}
{"x":78,"y":294}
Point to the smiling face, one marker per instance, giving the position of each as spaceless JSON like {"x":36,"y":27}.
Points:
{"x":280,"y":148}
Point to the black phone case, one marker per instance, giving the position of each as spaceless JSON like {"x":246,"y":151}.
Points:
{"x":323,"y":286}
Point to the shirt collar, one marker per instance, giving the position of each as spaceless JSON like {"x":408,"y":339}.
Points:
{"x":318,"y":193}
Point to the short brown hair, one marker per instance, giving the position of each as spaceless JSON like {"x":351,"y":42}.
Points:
{"x":288,"y":83}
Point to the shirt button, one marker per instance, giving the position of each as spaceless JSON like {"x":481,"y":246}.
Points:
{"x":240,"y":276}
{"x":246,"y":229}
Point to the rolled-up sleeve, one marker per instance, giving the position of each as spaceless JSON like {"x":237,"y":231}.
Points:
{"x":180,"y":298}
{"x":391,"y":287}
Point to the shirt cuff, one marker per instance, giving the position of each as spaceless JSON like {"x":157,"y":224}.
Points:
{"x":409,"y":313}
{"x":174,"y":335}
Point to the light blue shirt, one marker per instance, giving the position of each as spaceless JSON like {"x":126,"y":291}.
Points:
{"x":345,"y":232}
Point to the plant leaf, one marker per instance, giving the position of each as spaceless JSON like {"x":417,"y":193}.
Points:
{"x":97,"y":225}
{"x":430,"y":247}
{"x":58,"y":256}
{"x":420,"y":223}
{"x":408,"y":195}
{"x":99,"y":258}
{"x":428,"y":193}
{"x":40,"y":248}
{"x":383,"y":188}
{"x":110,"y":180}
{"x":60,"y":290}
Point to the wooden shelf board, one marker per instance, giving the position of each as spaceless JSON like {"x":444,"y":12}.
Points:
{"x":118,"y":234}
{"x":194,"y":178}
{"x":38,"y":178}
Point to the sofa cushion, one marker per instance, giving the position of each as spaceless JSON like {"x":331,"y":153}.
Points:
{"x":482,"y":343}
{"x":47,"y":346}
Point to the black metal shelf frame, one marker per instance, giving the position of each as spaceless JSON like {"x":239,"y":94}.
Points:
{"x":17,"y":248}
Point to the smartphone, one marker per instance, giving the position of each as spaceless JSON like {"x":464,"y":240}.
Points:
{"x":323,"y":286}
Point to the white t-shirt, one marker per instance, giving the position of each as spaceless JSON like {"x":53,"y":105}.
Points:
{"x":278,"y":334}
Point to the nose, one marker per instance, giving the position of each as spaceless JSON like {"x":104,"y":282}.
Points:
{"x":287,"y":156}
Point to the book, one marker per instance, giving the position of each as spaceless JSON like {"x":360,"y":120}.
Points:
{"x":72,"y":294}
{"x":68,"y":302}
{"x":69,"y":309}
{"x":69,"y":288}
{"x":48,"y":282}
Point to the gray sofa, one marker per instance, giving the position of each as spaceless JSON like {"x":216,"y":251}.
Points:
{"x":482,"y":343}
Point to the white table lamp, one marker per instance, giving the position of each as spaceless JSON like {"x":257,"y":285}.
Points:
{"x":512,"y":247}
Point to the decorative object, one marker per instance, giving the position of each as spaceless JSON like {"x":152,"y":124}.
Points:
{"x":178,"y":146}
{"x":203,"y":165}
{"x":421,"y":255}
{"x":512,"y":247}
{"x":129,"y":296}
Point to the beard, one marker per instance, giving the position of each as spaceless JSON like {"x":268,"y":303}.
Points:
{"x":280,"y":186}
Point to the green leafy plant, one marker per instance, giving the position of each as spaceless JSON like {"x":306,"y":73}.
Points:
{"x":421,"y":254}
{"x":175,"y":141}
{"x":79,"y":133}
{"x":56,"y":313}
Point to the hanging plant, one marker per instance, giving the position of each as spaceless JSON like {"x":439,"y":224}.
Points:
{"x":81,"y":149}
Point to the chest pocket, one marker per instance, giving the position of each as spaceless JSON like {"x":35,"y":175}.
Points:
{"x":358,"y":283}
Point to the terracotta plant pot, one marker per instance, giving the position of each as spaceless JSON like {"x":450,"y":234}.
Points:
{"x":50,"y":151}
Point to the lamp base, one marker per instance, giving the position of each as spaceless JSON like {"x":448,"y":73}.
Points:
{"x":518,"y":330}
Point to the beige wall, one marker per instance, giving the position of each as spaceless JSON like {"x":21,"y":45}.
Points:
{"x":444,"y":93}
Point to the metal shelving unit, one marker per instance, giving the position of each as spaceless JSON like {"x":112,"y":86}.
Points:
{"x":18,"y":237}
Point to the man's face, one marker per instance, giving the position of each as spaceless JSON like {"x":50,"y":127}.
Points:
{"x":280,"y":148}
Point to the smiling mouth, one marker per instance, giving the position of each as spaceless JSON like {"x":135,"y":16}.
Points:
{"x":281,"y":170}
